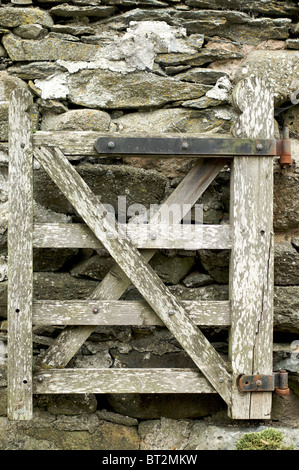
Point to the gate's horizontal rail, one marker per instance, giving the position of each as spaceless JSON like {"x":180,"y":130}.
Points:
{"x":115,"y":312}
{"x":188,"y":237}
{"x":83,"y":144}
{"x":121,"y":381}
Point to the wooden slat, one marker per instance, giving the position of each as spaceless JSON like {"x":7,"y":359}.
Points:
{"x":186,"y":237}
{"x":75,"y":144}
{"x":116,"y":282}
{"x":121,"y":381}
{"x":251,"y":267}
{"x":115,"y":312}
{"x":20,"y":276}
{"x":133,"y":264}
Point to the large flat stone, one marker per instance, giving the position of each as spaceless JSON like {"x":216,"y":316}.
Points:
{"x":49,"y":48}
{"x":177,"y":120}
{"x":11,"y":17}
{"x":286,"y":264}
{"x":77,"y":120}
{"x":35,"y":70}
{"x":74,"y":11}
{"x":104,"y":89}
{"x":266,"y":7}
{"x":286,"y":200}
{"x":286,"y":308}
{"x":233,"y":25}
{"x":168,"y":405}
{"x":84,"y":432}
{"x":108,"y":182}
{"x":279,"y":68}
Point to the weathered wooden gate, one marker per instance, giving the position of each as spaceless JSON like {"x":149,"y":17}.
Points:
{"x":249,"y":236}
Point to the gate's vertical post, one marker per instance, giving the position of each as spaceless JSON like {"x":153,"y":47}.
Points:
{"x":251,"y":264}
{"x":20,"y":264}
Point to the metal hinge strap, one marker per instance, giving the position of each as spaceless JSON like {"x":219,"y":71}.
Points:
{"x":277,"y":382}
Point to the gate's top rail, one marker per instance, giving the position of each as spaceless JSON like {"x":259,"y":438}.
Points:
{"x":89,"y":143}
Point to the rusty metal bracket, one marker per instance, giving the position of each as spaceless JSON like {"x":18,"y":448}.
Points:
{"x":192,"y":146}
{"x":286,"y":153}
{"x":277,"y":382}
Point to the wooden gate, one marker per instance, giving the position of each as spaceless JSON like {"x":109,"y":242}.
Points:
{"x":249,"y":235}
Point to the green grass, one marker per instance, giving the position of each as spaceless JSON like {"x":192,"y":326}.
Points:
{"x":269,"y":439}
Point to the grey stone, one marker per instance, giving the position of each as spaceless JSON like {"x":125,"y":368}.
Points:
{"x":268,"y":7}
{"x":170,"y":167}
{"x":278,"y":68}
{"x":170,"y":406}
{"x":233,"y":25}
{"x":196,"y":279}
{"x":164,"y":434}
{"x":294,"y":383}
{"x":51,"y":259}
{"x":171,"y":270}
{"x":46,"y":432}
{"x":95,"y":267}
{"x":53,"y":286}
{"x":205,"y":436}
{"x":72,"y":404}
{"x":3,"y":402}
{"x":210,"y":292}
{"x":216,"y":263}
{"x":291,"y":120}
{"x":77,"y":120}
{"x":73,"y":11}
{"x":295,"y":243}
{"x":202,"y":57}
{"x":50,"y":107}
{"x":49,"y":48}
{"x":153,"y":3}
{"x":203,"y":103}
{"x":286,"y":264}
{"x":3,"y":52}
{"x":292,"y":43}
{"x":82,"y":422}
{"x":286,"y":203}
{"x":4,"y":107}
{"x":135,"y":90}
{"x":35,"y":70}
{"x":117,"y":418}
{"x":8,"y":84}
{"x":199,"y":75}
{"x":30,"y":31}
{"x":108,"y":182}
{"x":63,"y":37}
{"x":285,"y":356}
{"x":100,"y":360}
{"x":177,"y":120}
{"x":12,"y":17}
{"x":286,"y":308}
{"x":74,"y":29}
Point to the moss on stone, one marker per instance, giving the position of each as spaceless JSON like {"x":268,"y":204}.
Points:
{"x":269,"y":439}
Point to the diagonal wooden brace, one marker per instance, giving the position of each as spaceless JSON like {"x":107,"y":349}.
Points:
{"x":138,"y":271}
{"x":116,"y":282}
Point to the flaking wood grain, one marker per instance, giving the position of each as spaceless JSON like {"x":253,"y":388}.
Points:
{"x":115,"y":312}
{"x":251,"y":266}
{"x":20,"y":276}
{"x":116,"y":282}
{"x":121,"y":381}
{"x":178,"y":236}
{"x":135,"y":267}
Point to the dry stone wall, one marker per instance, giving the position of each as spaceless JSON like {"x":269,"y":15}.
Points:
{"x":146,"y":67}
